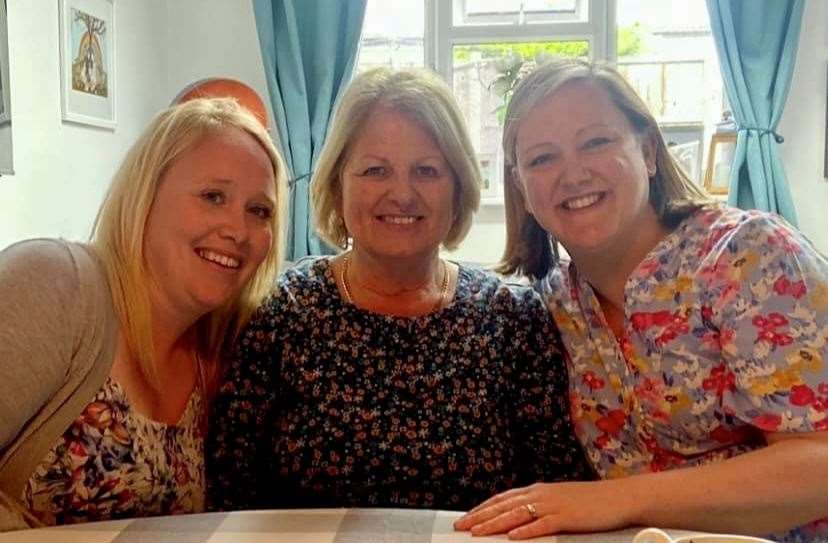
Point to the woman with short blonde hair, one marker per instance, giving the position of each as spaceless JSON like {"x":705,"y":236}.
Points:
{"x":422,"y":96}
{"x":388,"y":376}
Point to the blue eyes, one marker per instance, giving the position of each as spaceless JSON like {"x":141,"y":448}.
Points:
{"x":217,"y":198}
{"x":596,"y":142}
{"x":374,"y":171}
{"x":382,"y":171}
{"x":262,"y":212}
{"x":213,"y":196}
{"x":592,"y":144}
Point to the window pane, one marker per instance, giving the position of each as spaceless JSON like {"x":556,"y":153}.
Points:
{"x":484,"y":76}
{"x":479,"y":12}
{"x":392,"y":34}
{"x":671,"y":61}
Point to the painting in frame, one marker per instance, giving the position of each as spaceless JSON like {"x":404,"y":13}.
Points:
{"x":87,"y":62}
{"x":719,"y":161}
{"x":5,"y":101}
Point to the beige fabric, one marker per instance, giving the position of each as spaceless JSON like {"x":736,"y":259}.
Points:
{"x":58,"y":334}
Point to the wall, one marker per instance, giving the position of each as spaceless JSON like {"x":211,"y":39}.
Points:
{"x":61,"y":169}
{"x":803,"y":126}
{"x":212,"y":38}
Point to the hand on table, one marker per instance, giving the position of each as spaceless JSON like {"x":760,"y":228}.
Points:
{"x":547,"y":508}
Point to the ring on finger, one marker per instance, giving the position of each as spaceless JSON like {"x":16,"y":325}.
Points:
{"x":532,"y":510}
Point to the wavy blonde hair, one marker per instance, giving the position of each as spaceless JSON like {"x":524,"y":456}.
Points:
{"x":427,"y":100}
{"x":118,"y":232}
{"x":530,"y":250}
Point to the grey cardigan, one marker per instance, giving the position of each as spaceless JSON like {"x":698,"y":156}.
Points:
{"x":58,"y":336}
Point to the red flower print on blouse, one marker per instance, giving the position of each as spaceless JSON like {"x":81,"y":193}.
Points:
{"x":592,"y":381}
{"x":802,"y":395}
{"x":767,"y":329}
{"x":720,"y":379}
{"x":768,"y":422}
{"x":612,"y":422}
{"x":782,"y":287}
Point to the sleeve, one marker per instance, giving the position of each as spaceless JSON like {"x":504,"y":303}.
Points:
{"x":240,"y":442}
{"x":767,"y":294}
{"x":548,"y":448}
{"x":39,"y":286}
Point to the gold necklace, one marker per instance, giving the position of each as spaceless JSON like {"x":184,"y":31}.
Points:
{"x":346,"y":286}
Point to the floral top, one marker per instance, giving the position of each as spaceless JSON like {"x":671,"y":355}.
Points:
{"x":725,"y":330}
{"x":116,"y":463}
{"x":330,"y":405}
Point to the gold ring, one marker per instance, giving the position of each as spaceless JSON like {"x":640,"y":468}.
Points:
{"x":530,"y":508}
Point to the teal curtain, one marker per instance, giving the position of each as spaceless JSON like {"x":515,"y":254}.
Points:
{"x":756,"y":41}
{"x":309,"y":48}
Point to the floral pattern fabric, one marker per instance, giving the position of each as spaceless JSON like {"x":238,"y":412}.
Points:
{"x":328,"y":405}
{"x":724,"y":338}
{"x":114,"y":463}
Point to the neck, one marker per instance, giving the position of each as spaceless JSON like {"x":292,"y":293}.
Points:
{"x":395,"y":277}
{"x":169,"y":330}
{"x":608,"y":269}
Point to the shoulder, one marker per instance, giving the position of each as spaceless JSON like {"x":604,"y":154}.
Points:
{"x":304,"y":285}
{"x":51,"y":264}
{"x":722,"y":229}
{"x":485,"y":288}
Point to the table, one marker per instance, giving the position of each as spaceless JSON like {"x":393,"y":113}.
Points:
{"x":288,"y":526}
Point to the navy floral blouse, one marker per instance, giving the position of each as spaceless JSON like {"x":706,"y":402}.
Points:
{"x":328,"y":405}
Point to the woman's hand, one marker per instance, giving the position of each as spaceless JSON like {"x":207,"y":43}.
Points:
{"x":558,"y":507}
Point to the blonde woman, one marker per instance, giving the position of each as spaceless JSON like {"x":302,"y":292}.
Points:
{"x":108,"y":350}
{"x":696,"y":333}
{"x":386,"y":375}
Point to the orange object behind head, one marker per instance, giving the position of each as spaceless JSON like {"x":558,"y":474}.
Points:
{"x":225,"y":88}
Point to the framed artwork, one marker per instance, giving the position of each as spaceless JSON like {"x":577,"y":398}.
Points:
{"x":719,"y":160}
{"x":5,"y":102}
{"x":87,"y":62}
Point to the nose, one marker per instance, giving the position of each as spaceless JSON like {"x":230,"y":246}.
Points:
{"x":573,"y":172}
{"x":233,"y":224}
{"x":402,"y":189}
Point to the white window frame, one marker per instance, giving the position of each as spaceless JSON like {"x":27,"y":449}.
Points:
{"x":441,"y":35}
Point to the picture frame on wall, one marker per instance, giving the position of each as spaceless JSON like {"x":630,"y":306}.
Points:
{"x":87,"y":62}
{"x":5,"y":96}
{"x":719,"y":160}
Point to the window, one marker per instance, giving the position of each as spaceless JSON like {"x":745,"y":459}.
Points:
{"x":671,"y":62}
{"x":392,"y":35}
{"x":481,"y":46}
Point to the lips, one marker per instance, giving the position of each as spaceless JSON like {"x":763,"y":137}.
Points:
{"x":583,"y":201}
{"x":221,"y":259}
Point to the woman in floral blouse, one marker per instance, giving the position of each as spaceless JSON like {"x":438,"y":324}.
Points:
{"x":108,"y":349}
{"x":386,"y":375}
{"x":696,"y":333}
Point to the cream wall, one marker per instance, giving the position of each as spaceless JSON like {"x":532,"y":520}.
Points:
{"x":61,"y":169}
{"x":803,"y":126}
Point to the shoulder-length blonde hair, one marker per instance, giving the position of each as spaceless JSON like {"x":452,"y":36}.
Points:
{"x":530,"y":250}
{"x":427,"y":100}
{"x":118,"y":233}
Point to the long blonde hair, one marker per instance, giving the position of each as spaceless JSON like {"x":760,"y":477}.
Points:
{"x":530,"y":250}
{"x":427,"y":100}
{"x":118,"y":232}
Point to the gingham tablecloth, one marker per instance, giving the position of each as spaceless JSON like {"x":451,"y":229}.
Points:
{"x":286,"y":526}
